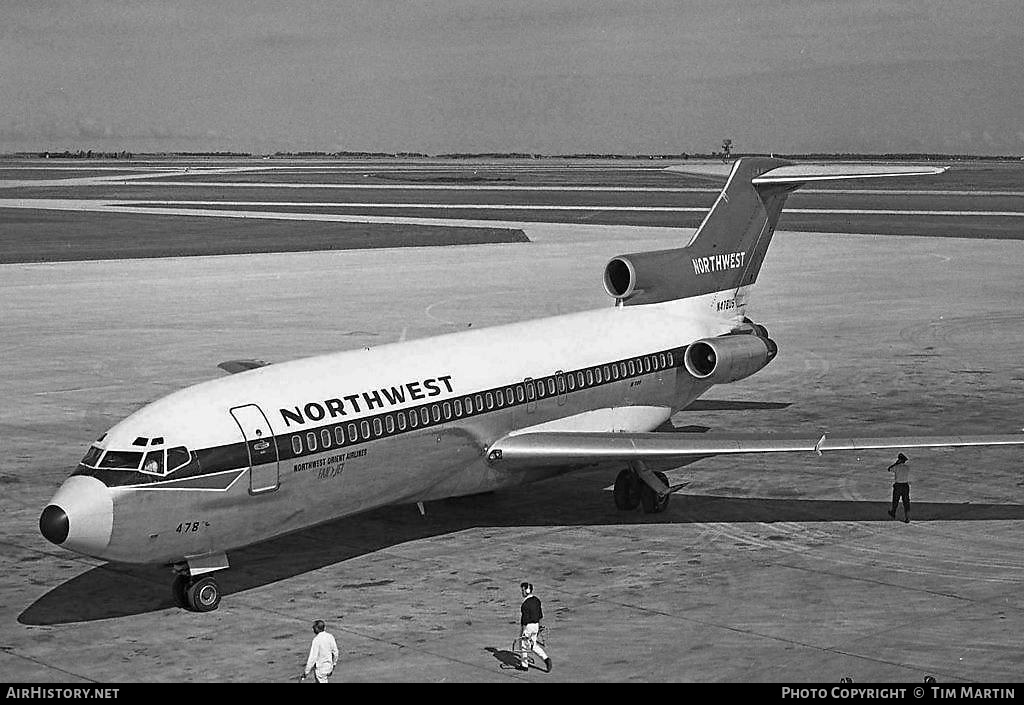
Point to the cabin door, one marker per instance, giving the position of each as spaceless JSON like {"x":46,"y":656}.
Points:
{"x":259,"y":442}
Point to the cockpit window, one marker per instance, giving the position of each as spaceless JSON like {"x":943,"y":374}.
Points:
{"x":92,"y":457}
{"x":154,"y":462}
{"x":177,"y":457}
{"x":121,"y":460}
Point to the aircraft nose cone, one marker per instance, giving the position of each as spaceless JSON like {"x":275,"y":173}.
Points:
{"x":53,"y":523}
{"x":80,"y":516}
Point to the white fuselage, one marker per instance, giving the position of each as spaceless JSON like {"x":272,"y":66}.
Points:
{"x":290,"y":445}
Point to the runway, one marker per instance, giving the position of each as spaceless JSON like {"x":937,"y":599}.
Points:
{"x":764,"y":569}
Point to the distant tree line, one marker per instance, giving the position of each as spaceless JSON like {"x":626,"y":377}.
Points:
{"x":85,"y":154}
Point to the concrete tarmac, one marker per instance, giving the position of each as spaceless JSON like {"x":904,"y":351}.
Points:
{"x":782,"y":569}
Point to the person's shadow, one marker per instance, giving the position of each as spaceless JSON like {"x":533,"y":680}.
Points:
{"x":506,"y":659}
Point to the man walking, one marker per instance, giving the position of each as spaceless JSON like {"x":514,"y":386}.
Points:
{"x":323,"y":653}
{"x":900,"y":487}
{"x":531,"y":614}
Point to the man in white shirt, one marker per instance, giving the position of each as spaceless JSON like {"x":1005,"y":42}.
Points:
{"x":323,"y":653}
{"x":900,"y":487}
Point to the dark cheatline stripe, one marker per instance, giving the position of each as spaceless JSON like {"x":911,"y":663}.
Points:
{"x":218,"y":467}
{"x":211,"y":481}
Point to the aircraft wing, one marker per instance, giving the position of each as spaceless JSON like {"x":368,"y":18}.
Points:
{"x":546,"y":448}
{"x":236,"y":366}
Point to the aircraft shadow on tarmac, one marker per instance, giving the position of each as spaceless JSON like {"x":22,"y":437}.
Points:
{"x":119,"y":590}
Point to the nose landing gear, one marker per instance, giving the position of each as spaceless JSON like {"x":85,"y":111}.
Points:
{"x":200,"y":594}
{"x":193,"y":587}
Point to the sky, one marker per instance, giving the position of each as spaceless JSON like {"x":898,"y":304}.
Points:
{"x":537,"y":76}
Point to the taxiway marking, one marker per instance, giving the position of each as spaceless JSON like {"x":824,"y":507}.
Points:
{"x":161,"y":207}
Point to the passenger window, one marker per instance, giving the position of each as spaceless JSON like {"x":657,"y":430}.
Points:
{"x":389,"y":423}
{"x":622,"y":369}
{"x":458,"y":408}
{"x":531,"y":392}
{"x":632,"y":368}
{"x":179,"y":456}
{"x":446,"y":410}
{"x":339,"y":435}
{"x":425,"y":416}
{"x":414,"y":419}
{"x":571,"y":381}
{"x":353,"y":433}
{"x":615,"y":371}
{"x":469,"y":405}
{"x":479,"y":402}
{"x":560,"y":381}
{"x":297,"y":445}
{"x":580,"y":380}
{"x":520,"y":394}
{"x":647,"y":364}
{"x":311,"y":441}
{"x":671,"y":362}
{"x":325,"y":438}
{"x":510,"y":396}
{"x":490,"y":400}
{"x":597,"y":375}
{"x":499,"y":399}
{"x":551,"y":386}
{"x":154,"y":462}
{"x":401,"y":420}
{"x":378,"y":429}
{"x":590,"y":377}
{"x":607,"y":373}
{"x":364,"y":429}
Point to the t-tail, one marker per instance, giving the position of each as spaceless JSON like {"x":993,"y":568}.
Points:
{"x":726,"y":252}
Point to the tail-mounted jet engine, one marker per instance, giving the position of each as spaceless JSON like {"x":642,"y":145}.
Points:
{"x":729,"y":357}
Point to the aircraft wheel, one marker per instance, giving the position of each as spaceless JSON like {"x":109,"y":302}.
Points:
{"x":179,"y":589}
{"x":204,"y":595}
{"x":627,"y":490}
{"x":649,"y":498}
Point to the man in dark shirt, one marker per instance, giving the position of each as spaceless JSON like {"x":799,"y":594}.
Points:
{"x":900,"y":487}
{"x":530,"y":627}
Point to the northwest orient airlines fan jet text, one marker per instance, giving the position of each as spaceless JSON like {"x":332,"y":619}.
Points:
{"x":241,"y":459}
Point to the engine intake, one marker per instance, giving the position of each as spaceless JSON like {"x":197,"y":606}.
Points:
{"x":620,"y":278}
{"x":728,"y":358}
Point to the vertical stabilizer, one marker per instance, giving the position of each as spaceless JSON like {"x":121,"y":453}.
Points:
{"x":728,"y":248}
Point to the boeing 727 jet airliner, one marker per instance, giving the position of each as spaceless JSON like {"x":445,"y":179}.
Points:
{"x":247,"y":457}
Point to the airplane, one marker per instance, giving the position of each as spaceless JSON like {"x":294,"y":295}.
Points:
{"x":276,"y":448}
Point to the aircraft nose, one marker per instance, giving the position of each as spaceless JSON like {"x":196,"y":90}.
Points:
{"x":53,"y":523}
{"x":80,"y":517}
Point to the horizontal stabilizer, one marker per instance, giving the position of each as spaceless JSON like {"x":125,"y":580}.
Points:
{"x":804,"y":173}
{"x":572,"y":448}
{"x":236,"y":366}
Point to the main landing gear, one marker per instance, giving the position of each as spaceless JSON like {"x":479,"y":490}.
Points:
{"x":639,"y":486}
{"x":193,"y":587}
